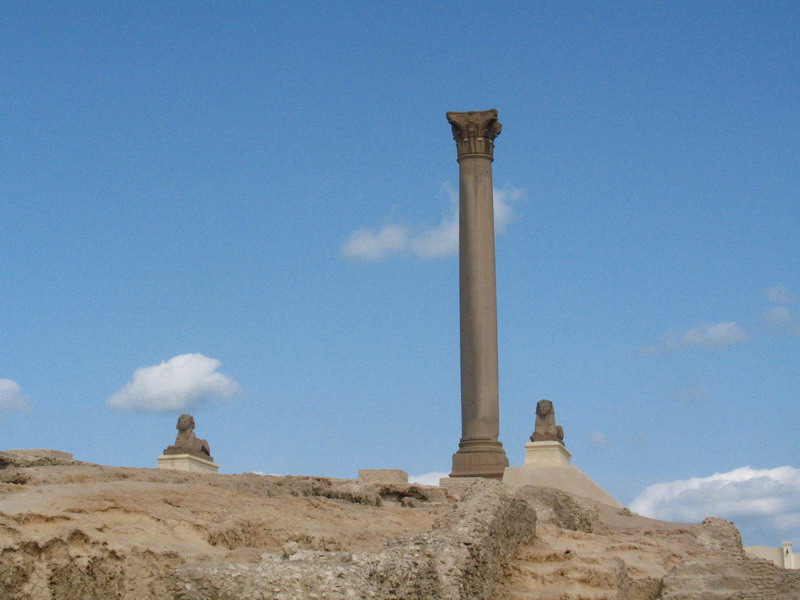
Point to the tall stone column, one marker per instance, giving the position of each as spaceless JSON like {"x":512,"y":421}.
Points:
{"x":480,"y":453}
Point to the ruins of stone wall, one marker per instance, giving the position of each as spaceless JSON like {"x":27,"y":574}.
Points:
{"x":461,"y":558}
{"x":39,"y":457}
{"x":731,"y":576}
{"x":50,"y":570}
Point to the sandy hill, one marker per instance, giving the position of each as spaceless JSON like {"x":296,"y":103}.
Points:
{"x":71,"y":530}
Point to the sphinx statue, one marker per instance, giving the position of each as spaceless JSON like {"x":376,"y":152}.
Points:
{"x":187,"y":442}
{"x":546,"y":429}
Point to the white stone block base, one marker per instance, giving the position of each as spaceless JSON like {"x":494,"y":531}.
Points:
{"x":186,"y":462}
{"x":546,"y":454}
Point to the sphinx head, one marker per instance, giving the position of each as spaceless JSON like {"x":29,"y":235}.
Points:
{"x":185,"y":423}
{"x":544,"y":408}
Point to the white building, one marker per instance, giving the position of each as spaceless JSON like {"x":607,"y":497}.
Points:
{"x":782,"y":556}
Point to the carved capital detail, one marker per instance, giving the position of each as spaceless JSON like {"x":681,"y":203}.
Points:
{"x":474,"y":131}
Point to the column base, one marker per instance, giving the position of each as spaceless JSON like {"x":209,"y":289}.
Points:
{"x":481,"y":458}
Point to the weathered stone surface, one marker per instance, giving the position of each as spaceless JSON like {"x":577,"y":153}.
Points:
{"x":584,"y":552}
{"x":34,"y":458}
{"x":462,"y":558}
{"x":546,"y":429}
{"x":729,"y":573}
{"x":564,"y":510}
{"x":94,"y":532}
{"x":382,"y":476}
{"x":187,"y":442}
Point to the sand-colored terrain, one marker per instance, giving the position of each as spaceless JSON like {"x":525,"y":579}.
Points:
{"x":73,"y":530}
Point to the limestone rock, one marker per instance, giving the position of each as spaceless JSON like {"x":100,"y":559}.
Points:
{"x":95,"y":532}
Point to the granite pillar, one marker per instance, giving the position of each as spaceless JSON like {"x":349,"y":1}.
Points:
{"x":480,"y":453}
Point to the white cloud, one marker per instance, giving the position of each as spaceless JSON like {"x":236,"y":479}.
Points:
{"x":718,"y":334}
{"x":366,"y":245}
{"x":714,"y":335}
{"x":11,"y":398}
{"x":780,"y":295}
{"x":503,"y":210}
{"x":781,"y":318}
{"x":428,"y":478}
{"x":764,"y":503}
{"x":427,"y":241}
{"x":598,"y":439}
{"x":441,"y":240}
{"x":180,"y":383}
{"x":779,"y":315}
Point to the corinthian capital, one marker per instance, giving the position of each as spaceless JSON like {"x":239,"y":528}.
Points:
{"x":474,"y":131}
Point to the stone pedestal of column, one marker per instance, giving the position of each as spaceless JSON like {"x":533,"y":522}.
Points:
{"x":480,"y":453}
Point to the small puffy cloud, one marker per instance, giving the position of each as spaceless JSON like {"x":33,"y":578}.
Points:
{"x":764,"y":503}
{"x":716,"y":335}
{"x":780,"y":295}
{"x":780,"y":315}
{"x":425,"y":242}
{"x":428,"y":478}
{"x":180,"y":383}
{"x":781,"y":318}
{"x":598,"y":439}
{"x":371,"y":246}
{"x":11,"y":398}
{"x":440,"y":240}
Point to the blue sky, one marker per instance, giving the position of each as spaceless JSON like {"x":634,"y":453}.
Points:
{"x":253,"y":203}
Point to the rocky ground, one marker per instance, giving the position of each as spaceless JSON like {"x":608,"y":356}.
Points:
{"x":71,"y":530}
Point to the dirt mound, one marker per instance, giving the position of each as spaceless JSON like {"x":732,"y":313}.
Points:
{"x":585,"y":551}
{"x":90,"y":531}
{"x":76,"y":530}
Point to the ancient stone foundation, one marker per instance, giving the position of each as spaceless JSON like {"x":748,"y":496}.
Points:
{"x":382,"y":476}
{"x":463,"y":558}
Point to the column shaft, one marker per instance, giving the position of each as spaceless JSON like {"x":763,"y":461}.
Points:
{"x":480,"y":454}
{"x":478,"y":299}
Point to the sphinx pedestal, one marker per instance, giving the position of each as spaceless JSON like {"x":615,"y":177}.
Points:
{"x":186,"y":462}
{"x":546,"y":454}
{"x":547,"y":464}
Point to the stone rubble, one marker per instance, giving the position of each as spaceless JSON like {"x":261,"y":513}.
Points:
{"x":71,"y":530}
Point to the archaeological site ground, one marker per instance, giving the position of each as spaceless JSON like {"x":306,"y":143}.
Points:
{"x":73,"y":530}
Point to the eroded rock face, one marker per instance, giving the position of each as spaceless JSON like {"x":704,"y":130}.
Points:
{"x":728,"y":573}
{"x":34,"y":458}
{"x":91,"y":532}
{"x":463,"y":557}
{"x":585,"y":551}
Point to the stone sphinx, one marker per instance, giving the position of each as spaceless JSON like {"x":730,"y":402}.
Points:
{"x":187,"y":442}
{"x":546,"y":429}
